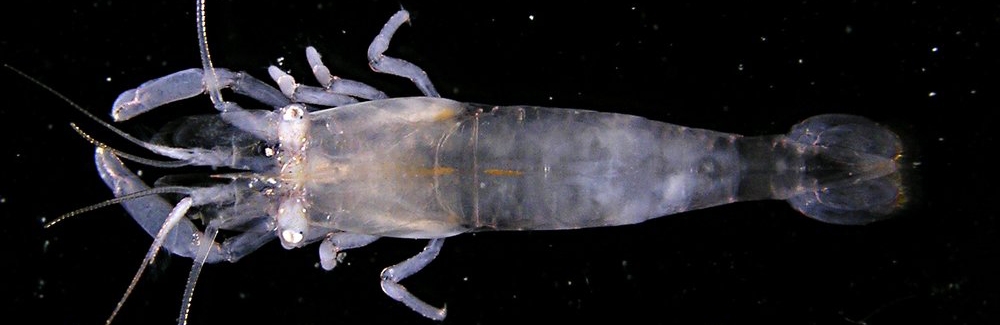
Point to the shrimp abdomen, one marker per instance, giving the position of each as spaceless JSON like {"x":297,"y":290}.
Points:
{"x":546,"y":168}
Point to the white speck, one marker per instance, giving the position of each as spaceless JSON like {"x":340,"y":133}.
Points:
{"x":291,"y":236}
{"x":848,"y":29}
{"x":281,"y":61}
{"x":108,"y":79}
{"x":800,"y":61}
{"x":633,"y":7}
{"x":465,"y":279}
{"x":972,"y":91}
{"x":550,"y":97}
{"x":3,"y":200}
{"x":139,"y":172}
{"x":934,"y":49}
{"x":941,"y":139}
{"x":763,"y":38}
{"x":482,"y":185}
{"x":917,"y":163}
{"x":740,"y":67}
{"x":531,"y":17}
{"x":931,"y":94}
{"x":570,"y":282}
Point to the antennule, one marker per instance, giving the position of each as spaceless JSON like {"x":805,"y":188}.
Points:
{"x":128,"y":156}
{"x":163,"y":150}
{"x":120,"y":199}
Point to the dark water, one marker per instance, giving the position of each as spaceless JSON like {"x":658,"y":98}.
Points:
{"x":928,"y":70}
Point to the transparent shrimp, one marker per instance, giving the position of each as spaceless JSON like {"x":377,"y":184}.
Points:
{"x":369,"y":166}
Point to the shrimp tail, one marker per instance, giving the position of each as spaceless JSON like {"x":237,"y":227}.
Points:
{"x":851,"y":170}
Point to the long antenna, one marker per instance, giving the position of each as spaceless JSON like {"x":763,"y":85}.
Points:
{"x":210,"y":79}
{"x":152,"y":147}
{"x":175,"y":217}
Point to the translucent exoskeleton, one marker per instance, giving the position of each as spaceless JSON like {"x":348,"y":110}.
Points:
{"x":343,"y":164}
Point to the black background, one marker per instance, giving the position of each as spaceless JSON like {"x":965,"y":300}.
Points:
{"x":928,"y":70}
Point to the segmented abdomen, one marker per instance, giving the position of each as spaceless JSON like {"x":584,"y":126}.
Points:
{"x":547,"y":168}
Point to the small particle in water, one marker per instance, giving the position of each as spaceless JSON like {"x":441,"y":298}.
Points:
{"x":931,"y":94}
{"x":40,"y":288}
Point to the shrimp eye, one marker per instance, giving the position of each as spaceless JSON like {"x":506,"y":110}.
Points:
{"x":292,"y":223}
{"x":291,"y":236}
{"x":266,"y":150}
{"x":293,"y":112}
